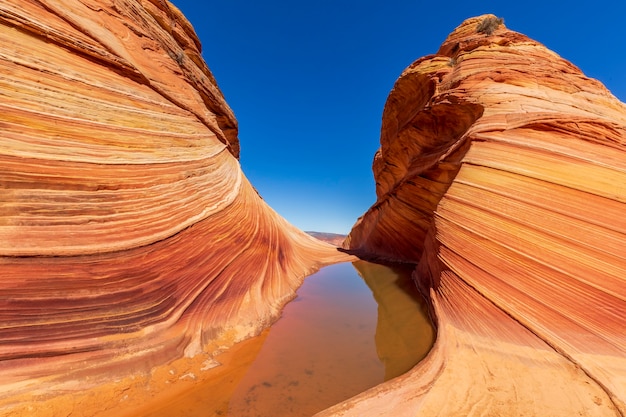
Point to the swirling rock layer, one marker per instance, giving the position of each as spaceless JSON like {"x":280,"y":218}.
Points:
{"x":129,"y":236}
{"x":501,"y":175}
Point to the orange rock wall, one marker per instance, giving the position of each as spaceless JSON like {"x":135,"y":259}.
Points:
{"x":501,"y":175}
{"x":129,"y":236}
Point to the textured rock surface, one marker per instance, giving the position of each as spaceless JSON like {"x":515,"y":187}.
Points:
{"x":501,"y":175}
{"x":129,"y":236}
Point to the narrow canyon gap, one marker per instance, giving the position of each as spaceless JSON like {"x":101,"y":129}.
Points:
{"x":130,"y":238}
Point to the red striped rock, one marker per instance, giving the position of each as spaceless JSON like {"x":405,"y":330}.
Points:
{"x":129,"y":236}
{"x":501,"y":175}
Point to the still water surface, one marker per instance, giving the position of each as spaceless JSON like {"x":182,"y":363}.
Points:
{"x":351,"y":327}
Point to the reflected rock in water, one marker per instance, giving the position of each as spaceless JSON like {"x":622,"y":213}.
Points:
{"x":334,"y":342}
{"x":501,"y":176}
{"x":404,"y":332}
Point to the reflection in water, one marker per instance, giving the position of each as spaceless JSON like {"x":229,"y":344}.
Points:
{"x":332,"y":342}
{"x":404,"y":334}
{"x":320,"y":352}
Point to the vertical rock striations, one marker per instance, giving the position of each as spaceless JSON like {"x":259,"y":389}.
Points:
{"x":129,"y":236}
{"x":501,"y":175}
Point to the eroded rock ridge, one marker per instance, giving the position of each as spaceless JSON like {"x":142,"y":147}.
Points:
{"x":501,"y":176}
{"x":129,"y":236}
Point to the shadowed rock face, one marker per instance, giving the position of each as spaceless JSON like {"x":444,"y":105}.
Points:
{"x":129,"y":236}
{"x":501,"y":176}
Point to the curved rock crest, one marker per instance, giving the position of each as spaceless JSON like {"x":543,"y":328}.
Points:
{"x":501,"y":175}
{"x":129,"y":236}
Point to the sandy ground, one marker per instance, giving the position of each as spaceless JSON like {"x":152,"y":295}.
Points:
{"x":163,"y":393}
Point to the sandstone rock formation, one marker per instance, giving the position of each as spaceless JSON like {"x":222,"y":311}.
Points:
{"x":332,"y":238}
{"x":129,"y":236}
{"x":501,"y":176}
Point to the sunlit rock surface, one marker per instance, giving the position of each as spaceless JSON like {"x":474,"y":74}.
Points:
{"x":129,"y":236}
{"x":332,"y":238}
{"x":501,"y":175}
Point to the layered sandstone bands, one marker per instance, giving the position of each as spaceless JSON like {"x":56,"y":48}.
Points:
{"x":129,"y":236}
{"x":501,"y":175}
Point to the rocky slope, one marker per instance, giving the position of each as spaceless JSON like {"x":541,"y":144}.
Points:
{"x":129,"y":236}
{"x":501,"y":176}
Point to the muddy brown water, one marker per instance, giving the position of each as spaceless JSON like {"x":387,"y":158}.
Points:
{"x":351,"y":327}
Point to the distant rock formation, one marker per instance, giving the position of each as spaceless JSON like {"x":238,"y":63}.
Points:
{"x":332,"y":238}
{"x":501,"y":175}
{"x":129,"y":236}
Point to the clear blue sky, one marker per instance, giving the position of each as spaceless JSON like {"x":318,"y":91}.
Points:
{"x":308,"y":81}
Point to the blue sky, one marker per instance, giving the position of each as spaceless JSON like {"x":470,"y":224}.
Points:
{"x":308,"y":80}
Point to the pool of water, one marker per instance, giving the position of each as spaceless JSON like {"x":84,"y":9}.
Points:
{"x":351,"y":327}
